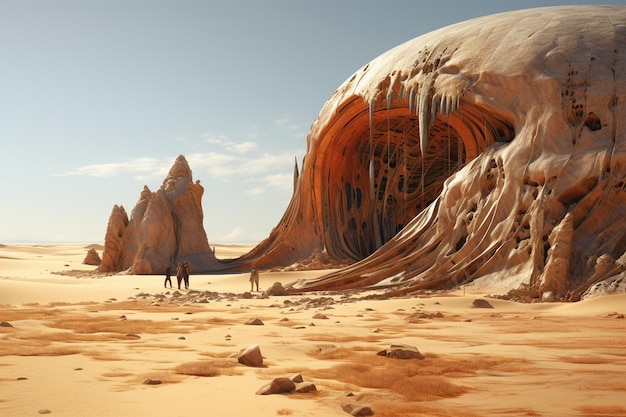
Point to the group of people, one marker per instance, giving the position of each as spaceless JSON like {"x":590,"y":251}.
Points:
{"x":182,"y":275}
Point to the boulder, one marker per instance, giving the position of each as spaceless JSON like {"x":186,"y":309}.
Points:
{"x":297,"y":378}
{"x":481,"y":303}
{"x":92,"y":258}
{"x":357,"y":410}
{"x":305,"y":387}
{"x":152,"y":381}
{"x":276,"y":289}
{"x":277,"y":386}
{"x":401,"y":351}
{"x":251,"y":356}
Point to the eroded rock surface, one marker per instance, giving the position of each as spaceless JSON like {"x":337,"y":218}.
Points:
{"x":491,"y":152}
{"x":165,"y":228}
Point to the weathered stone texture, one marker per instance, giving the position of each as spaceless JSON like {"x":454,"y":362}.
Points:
{"x":165,"y":228}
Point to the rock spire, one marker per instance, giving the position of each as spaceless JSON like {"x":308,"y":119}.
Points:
{"x":165,"y":227}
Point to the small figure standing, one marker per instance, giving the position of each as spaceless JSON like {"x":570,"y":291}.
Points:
{"x":182,"y":274}
{"x":186,"y":274}
{"x":168,"y":276}
{"x":254,"y":278}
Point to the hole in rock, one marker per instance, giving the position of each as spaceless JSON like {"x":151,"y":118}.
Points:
{"x":593,"y":122}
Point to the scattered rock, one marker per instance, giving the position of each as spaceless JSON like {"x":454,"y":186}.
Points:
{"x":182,"y":338}
{"x":276,"y":289}
{"x":133,"y":336}
{"x":45,"y":411}
{"x":320,"y":316}
{"x":5,"y":324}
{"x":122,"y":317}
{"x":401,"y":352}
{"x":548,"y":297}
{"x":417,"y":317}
{"x":277,"y":386}
{"x":251,"y":356}
{"x":151,"y":381}
{"x":255,"y":322}
{"x":283,"y":385}
{"x":305,"y":387}
{"x":297,"y":378}
{"x":357,"y":410}
{"x":92,"y":258}
{"x":22,"y":378}
{"x":481,"y":303}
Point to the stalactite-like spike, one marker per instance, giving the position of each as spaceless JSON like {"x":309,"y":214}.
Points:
{"x":443,"y":105}
{"x":296,"y":175}
{"x":424,"y":114}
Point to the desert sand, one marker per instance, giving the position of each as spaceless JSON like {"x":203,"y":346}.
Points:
{"x":75,"y":343}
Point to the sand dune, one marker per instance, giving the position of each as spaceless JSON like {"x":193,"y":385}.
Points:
{"x":82,"y":344}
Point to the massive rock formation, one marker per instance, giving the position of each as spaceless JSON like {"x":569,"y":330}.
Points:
{"x":165,"y":228}
{"x":490,"y":152}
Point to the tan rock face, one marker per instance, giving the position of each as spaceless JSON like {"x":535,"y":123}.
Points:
{"x":165,"y":228}
{"x":489,"y":152}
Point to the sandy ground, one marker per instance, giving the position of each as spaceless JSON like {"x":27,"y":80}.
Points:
{"x":76,"y":344}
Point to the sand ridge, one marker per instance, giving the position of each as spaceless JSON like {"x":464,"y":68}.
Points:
{"x":88,"y":343}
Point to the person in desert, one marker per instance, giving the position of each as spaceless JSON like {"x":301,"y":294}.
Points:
{"x":186,"y":274}
{"x":168,"y":276}
{"x":182,"y":274}
{"x":254,"y":278}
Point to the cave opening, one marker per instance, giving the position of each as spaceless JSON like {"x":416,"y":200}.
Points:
{"x":380,"y":178}
{"x":386,"y":181}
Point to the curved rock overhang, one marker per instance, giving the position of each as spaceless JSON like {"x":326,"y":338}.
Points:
{"x":489,"y":152}
{"x":378,"y":174}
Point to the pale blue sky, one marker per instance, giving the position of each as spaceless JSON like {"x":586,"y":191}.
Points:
{"x":99,"y":97}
